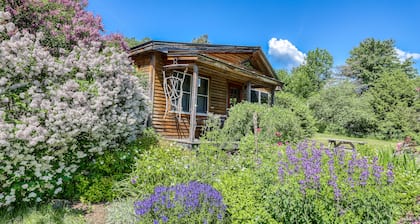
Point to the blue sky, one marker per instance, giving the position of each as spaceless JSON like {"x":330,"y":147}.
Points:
{"x":294,"y":27}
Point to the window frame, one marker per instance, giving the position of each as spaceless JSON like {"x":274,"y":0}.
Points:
{"x":207,"y":96}
{"x":259,"y":96}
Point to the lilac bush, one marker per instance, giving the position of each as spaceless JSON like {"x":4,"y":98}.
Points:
{"x":193,"y":202}
{"x":64,"y":23}
{"x":56,"y":112}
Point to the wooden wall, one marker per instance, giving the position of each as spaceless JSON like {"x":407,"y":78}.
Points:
{"x":219,"y":80}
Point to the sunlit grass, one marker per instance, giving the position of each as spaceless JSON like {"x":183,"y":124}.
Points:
{"x":323,"y":138}
{"x":41,"y":214}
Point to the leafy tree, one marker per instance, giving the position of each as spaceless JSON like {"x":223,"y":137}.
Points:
{"x":372,"y":58}
{"x":339,"y":109}
{"x":203,"y":39}
{"x":393,"y":98}
{"x":132,"y":42}
{"x":312,"y":75}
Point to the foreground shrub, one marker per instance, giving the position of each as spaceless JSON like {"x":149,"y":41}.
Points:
{"x":340,"y":110}
{"x":318,"y":185}
{"x":274,"y":125}
{"x":96,"y":181}
{"x":184,"y":203}
{"x":59,"y":112}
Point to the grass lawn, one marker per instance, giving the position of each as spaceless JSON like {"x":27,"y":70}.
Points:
{"x":323,"y":138}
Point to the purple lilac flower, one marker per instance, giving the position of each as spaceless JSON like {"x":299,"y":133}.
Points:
{"x":376,"y":170}
{"x":390,"y":174}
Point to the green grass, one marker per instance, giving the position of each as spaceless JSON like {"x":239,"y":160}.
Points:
{"x":323,"y":138}
{"x":43,"y":214}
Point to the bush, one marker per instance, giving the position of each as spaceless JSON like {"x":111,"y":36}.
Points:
{"x":275,"y":125}
{"x":300,"y":109}
{"x":59,"y":112}
{"x":338,"y":109}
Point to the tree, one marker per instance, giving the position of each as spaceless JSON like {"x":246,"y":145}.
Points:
{"x":133,"y":42}
{"x":203,"y":39}
{"x":393,"y":98}
{"x":372,"y":58}
{"x":339,"y":109}
{"x":311,"y":76}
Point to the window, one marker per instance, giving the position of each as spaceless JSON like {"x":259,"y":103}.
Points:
{"x":202,"y":93}
{"x":259,"y":96}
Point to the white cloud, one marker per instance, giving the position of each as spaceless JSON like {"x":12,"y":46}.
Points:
{"x":402,"y":55}
{"x":285,"y":53}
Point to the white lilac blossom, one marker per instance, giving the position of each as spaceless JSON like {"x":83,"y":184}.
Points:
{"x":75,"y":106}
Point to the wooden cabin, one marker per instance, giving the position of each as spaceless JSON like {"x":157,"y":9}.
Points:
{"x":186,"y":81}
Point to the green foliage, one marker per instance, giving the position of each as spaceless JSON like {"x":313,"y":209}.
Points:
{"x":392,"y":99}
{"x":203,"y":39}
{"x":310,"y":77}
{"x":121,"y":212}
{"x":372,"y":58}
{"x":242,"y":194}
{"x":340,"y":110}
{"x":275,"y":124}
{"x":96,"y":183}
{"x":133,"y":42}
{"x":300,"y":108}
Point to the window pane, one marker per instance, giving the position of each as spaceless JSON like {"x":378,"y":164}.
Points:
{"x":264,"y":97}
{"x":186,"y":102}
{"x":201,"y":104}
{"x":254,"y":96}
{"x":186,"y":84}
{"x":203,"y":85}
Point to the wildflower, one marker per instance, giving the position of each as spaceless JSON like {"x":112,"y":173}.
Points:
{"x":278,"y":134}
{"x":279,"y":143}
{"x":258,"y":130}
{"x":134,"y":180}
{"x":193,"y":197}
{"x":364,"y":176}
{"x":376,"y":170}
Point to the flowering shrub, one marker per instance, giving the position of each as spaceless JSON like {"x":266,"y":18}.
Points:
{"x":56,"y":112}
{"x":330,"y":186}
{"x":184,"y":203}
{"x":64,"y":22}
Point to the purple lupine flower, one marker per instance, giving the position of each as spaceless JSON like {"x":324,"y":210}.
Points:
{"x":281,"y":171}
{"x":351,"y":168}
{"x":376,"y":170}
{"x":133,"y":181}
{"x":390,"y":174}
{"x":333,"y":177}
{"x":193,"y":197}
{"x":364,"y":176}
{"x":293,"y":160}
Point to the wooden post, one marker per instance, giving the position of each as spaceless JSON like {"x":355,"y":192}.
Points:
{"x":193,"y":103}
{"x":273,"y":91}
{"x":248,"y":91}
